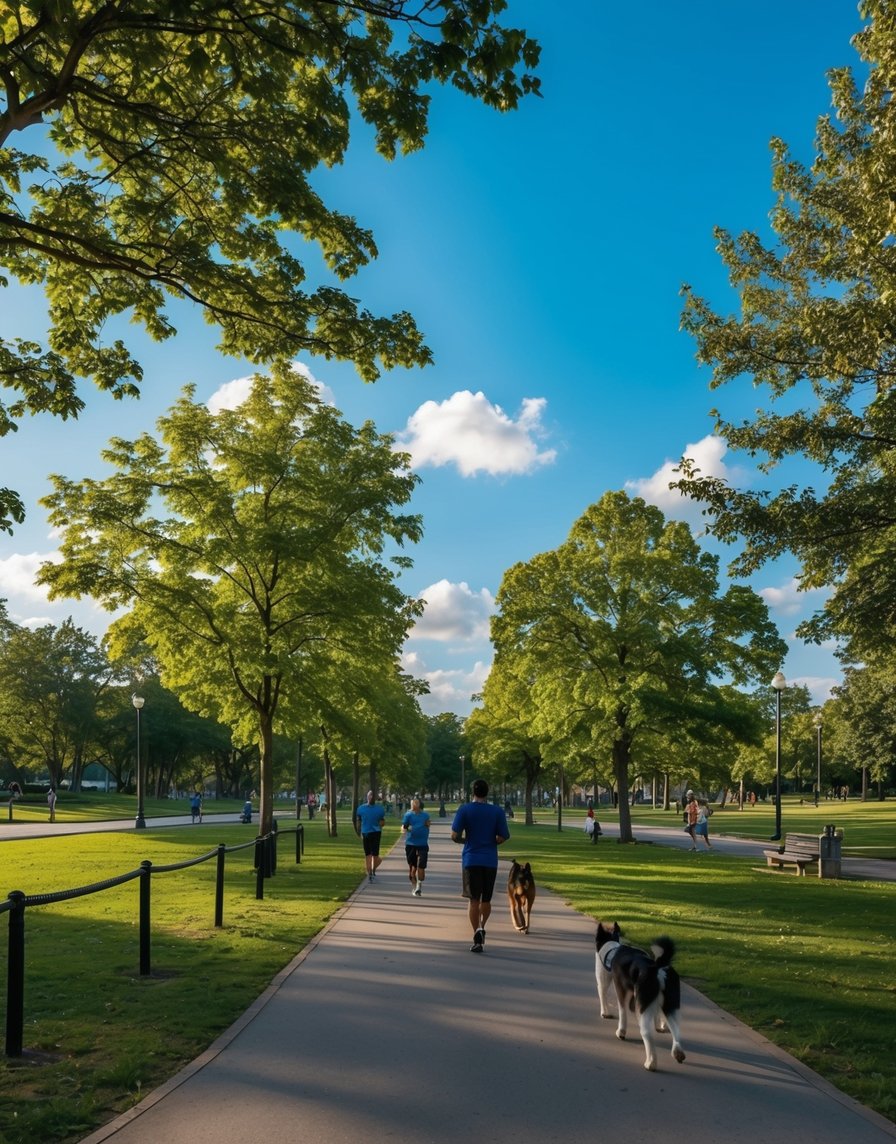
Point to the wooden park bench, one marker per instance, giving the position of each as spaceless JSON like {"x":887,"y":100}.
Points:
{"x":799,"y":850}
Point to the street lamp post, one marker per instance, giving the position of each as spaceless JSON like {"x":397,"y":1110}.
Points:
{"x":778,"y":683}
{"x":818,"y":721}
{"x":463,"y":781}
{"x":299,"y":779}
{"x":140,"y":821}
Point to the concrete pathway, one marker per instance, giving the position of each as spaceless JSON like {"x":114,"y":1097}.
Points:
{"x":387,"y":1027}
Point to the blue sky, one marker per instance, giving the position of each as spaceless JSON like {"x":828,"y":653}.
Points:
{"x":542,"y":253}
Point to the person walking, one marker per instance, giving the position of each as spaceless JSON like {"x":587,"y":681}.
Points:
{"x":481,"y":827}
{"x":196,"y":806}
{"x":415,"y":827}
{"x":697,"y":820}
{"x":691,"y":811}
{"x":372,"y":819}
{"x":701,"y":828}
{"x":51,"y":803}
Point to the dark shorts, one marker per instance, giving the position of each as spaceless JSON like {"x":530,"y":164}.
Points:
{"x":372,"y":842}
{"x":417,"y":856}
{"x":479,"y":882}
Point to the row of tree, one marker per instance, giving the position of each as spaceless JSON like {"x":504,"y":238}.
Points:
{"x":617,"y":659}
{"x":65,"y":705}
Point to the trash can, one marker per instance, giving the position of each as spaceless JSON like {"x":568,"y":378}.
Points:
{"x":829,"y":847}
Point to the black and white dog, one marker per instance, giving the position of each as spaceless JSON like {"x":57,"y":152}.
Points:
{"x":645,"y":985}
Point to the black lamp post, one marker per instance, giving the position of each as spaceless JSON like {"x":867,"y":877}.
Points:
{"x":778,"y":683}
{"x":463,"y":781}
{"x":299,"y":779}
{"x":818,"y":723}
{"x":140,"y":821}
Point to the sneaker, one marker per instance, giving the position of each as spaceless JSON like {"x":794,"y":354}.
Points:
{"x":417,"y":891}
{"x":476,"y":947}
{"x":370,"y":877}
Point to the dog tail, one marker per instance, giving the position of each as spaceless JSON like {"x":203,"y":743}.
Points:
{"x":663,"y":950}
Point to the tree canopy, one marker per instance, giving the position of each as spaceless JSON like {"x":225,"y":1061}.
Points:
{"x":621,"y":633}
{"x":269,"y":579}
{"x":816,"y":332}
{"x":173,"y":154}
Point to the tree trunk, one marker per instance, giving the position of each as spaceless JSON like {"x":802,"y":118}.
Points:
{"x":265,"y":794}
{"x":621,"y":756}
{"x":356,"y":791}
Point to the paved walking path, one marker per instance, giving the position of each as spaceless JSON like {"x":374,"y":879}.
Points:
{"x":387,"y":1027}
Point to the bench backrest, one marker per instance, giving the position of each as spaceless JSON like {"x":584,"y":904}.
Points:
{"x":801,"y":843}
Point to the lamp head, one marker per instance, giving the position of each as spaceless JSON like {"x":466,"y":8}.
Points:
{"x":138,"y":701}
{"x":779,"y":682}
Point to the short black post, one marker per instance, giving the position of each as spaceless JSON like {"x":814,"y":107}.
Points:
{"x":219,"y":886}
{"x":300,"y":842}
{"x":15,"y":974}
{"x":272,"y":843}
{"x":259,"y":869}
{"x":145,"y":916}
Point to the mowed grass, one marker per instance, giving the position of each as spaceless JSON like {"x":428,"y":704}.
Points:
{"x":807,"y":963}
{"x":98,"y":1036}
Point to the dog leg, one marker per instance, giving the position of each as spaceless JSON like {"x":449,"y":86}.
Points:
{"x":602,"y":987}
{"x":646,"y":1022}
{"x":677,"y":1050}
{"x":622,"y":1005}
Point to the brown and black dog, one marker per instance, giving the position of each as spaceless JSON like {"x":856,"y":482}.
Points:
{"x":521,"y":895}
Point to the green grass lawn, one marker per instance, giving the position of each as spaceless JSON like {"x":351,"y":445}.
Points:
{"x":808,"y":963}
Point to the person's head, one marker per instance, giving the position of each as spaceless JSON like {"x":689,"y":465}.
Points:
{"x":689,"y":795}
{"x":370,"y":798}
{"x":480,"y":788}
{"x":416,"y":803}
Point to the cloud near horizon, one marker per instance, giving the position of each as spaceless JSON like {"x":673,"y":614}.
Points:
{"x":449,"y":690}
{"x":468,"y":431}
{"x":454,"y":613}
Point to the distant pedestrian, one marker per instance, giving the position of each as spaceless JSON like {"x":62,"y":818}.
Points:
{"x":481,"y":827}
{"x":196,"y":806}
{"x":311,"y":803}
{"x":246,"y":815}
{"x":372,"y":818}
{"x":415,"y":827}
{"x":51,"y":803}
{"x":592,"y":826}
{"x":698,"y":821}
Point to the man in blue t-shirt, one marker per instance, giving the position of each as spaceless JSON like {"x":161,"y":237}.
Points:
{"x":372,"y":818}
{"x":415,"y":827}
{"x":481,"y":827}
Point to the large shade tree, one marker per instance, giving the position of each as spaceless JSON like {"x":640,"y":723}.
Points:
{"x":251,"y":549}
{"x":56,"y":685}
{"x":815,"y":337}
{"x":172,"y":156}
{"x":623,"y":632}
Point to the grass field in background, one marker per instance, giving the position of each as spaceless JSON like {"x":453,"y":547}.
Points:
{"x":808,"y":963}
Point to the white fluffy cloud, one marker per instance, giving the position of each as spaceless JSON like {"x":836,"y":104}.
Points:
{"x":707,"y":454}
{"x":788,"y":600}
{"x":232,"y":394}
{"x":449,"y":690}
{"x":454,"y":613}
{"x":17,"y":576}
{"x":470,"y":432}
